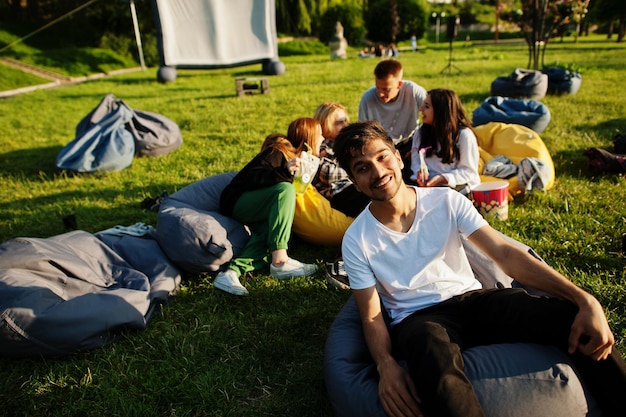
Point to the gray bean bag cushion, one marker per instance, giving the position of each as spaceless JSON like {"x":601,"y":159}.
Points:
{"x":521,"y":83}
{"x":192,"y":231}
{"x":153,"y":134}
{"x":562,"y":81}
{"x":510,"y":380}
{"x":75,"y":292}
{"x":530,"y":113}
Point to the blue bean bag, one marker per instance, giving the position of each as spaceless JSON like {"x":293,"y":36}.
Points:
{"x":562,"y":81}
{"x":530,"y":113}
{"x":521,"y":83}
{"x":510,"y":380}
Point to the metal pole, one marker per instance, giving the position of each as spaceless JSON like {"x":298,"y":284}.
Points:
{"x":133,"y":13}
{"x":497,"y":20}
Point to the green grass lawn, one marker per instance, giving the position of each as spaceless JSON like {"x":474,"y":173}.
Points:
{"x":207,"y":353}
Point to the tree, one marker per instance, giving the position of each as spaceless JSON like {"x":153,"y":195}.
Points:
{"x":608,"y":12}
{"x":350,"y":16}
{"x":393,"y":20}
{"x":539,"y":20}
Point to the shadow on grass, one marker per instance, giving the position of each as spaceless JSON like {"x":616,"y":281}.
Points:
{"x":30,"y":163}
{"x":607,"y":128}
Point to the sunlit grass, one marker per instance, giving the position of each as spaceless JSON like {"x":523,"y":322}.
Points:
{"x":211,"y":354}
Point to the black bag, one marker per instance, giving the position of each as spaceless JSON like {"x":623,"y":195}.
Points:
{"x":601,"y":161}
{"x":619,"y":143}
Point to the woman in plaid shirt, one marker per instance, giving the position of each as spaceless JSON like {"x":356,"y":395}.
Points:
{"x":331,"y":180}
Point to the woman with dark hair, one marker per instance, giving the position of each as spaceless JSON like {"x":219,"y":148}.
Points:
{"x":445,"y":150}
{"x":262,"y":197}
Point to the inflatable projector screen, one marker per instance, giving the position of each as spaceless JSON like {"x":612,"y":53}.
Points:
{"x":216,"y":34}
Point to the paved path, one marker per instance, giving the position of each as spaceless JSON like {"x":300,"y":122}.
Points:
{"x":56,"y":80}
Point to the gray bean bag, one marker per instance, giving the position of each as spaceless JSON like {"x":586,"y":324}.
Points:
{"x":521,"y":83}
{"x":562,"y":81}
{"x":152,"y":133}
{"x":510,"y":380}
{"x":192,"y":231}
{"x":75,"y":292}
{"x":530,"y":113}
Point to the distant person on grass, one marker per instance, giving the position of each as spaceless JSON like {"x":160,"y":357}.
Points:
{"x":405,"y":249}
{"x":262,"y":197}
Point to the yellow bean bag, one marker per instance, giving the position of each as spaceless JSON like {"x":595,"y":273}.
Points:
{"x":516,"y":142}
{"x":316,"y":221}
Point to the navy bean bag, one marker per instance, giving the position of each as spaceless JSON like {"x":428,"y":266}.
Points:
{"x":562,"y":81}
{"x":193,"y":233}
{"x":510,"y":380}
{"x":530,"y":113}
{"x":521,"y":83}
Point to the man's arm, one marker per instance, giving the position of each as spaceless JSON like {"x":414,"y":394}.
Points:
{"x":590,"y":332}
{"x":395,"y":388}
{"x":363,"y":107}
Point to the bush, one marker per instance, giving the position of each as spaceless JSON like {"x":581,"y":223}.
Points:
{"x":350,"y":17}
{"x":302,"y":47}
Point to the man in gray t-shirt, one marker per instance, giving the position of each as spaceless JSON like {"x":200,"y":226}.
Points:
{"x":394,"y":103}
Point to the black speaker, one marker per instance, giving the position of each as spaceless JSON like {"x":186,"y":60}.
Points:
{"x":452,"y":30}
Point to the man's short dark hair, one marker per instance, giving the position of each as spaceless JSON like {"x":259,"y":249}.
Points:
{"x":387,"y":67}
{"x":352,"y":139}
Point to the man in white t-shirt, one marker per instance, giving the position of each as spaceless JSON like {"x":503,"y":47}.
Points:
{"x":405,"y":249}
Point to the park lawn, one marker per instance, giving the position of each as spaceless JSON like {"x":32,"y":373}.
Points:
{"x":212,"y":354}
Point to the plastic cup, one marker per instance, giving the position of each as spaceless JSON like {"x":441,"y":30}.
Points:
{"x":305,"y":172}
{"x":301,"y":181}
{"x":492,"y":199}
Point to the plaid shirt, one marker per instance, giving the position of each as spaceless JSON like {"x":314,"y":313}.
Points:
{"x":331,"y":178}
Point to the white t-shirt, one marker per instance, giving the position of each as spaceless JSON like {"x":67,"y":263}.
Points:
{"x":400,"y":117}
{"x":419,"y":268}
{"x":461,"y":171}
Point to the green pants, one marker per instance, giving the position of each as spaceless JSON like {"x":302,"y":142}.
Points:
{"x":268,"y":212}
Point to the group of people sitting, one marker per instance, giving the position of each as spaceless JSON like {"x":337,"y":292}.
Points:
{"x":403,"y":253}
{"x":380,"y":51}
{"x":261,"y":195}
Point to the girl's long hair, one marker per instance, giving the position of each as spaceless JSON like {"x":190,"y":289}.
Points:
{"x":281,"y":143}
{"x":303,"y":133}
{"x":449,"y":119}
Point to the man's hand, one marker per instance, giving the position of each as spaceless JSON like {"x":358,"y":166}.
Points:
{"x":396,"y":389}
{"x":397,"y":392}
{"x":590,"y":333}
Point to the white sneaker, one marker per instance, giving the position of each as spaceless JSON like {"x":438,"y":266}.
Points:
{"x":291,"y":269}
{"x":229,"y":281}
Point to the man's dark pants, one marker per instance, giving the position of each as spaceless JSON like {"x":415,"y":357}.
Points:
{"x":431,"y":340}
